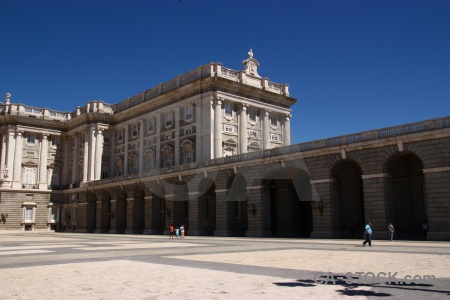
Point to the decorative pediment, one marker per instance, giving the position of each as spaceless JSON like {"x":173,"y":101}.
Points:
{"x":251,"y":65}
{"x":30,"y":163}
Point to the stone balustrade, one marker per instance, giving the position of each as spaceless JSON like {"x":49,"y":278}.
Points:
{"x":433,"y":124}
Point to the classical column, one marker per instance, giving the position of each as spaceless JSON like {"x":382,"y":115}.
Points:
{"x":158,"y":142}
{"x":92,"y":151}
{"x":86,"y":156}
{"x":141,"y":146}
{"x":125,"y":152}
{"x":10,"y":154}
{"x":243,"y":129}
{"x":3,"y":159}
{"x":287,"y":130}
{"x":18,"y":161}
{"x":43,"y":162}
{"x":265,"y":130}
{"x":98,"y":154}
{"x":198,"y":131}
{"x":76,"y":159}
{"x":177,"y":135}
{"x":66,"y":159}
{"x":112,"y":141}
{"x":218,"y":129}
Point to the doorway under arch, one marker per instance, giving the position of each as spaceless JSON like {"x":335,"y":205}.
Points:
{"x":207,"y":207}
{"x":290,"y":197}
{"x":347,"y":199}
{"x":406,"y":205}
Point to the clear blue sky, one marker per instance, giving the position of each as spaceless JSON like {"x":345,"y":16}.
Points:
{"x":352,"y":65}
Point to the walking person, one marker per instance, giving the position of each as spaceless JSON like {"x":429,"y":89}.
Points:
{"x":424,"y":230}
{"x":182,"y":231}
{"x":171,"y":232}
{"x":368,"y":234}
{"x":391,"y":231}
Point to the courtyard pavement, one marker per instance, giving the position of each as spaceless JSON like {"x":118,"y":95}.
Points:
{"x":44,"y":265}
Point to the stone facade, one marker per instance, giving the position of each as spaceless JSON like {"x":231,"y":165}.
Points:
{"x":211,"y":149}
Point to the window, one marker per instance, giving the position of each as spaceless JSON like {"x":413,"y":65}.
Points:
{"x":274,"y":137}
{"x":151,"y":125}
{"x":188,"y":131}
{"x":228,"y":110}
{"x":273,"y":120}
{"x":229,"y":129}
{"x":31,"y":138}
{"x":168,"y":137}
{"x":168,"y":163}
{"x":52,"y":215}
{"x":55,"y":142}
{"x":29,"y":178}
{"x":252,"y":115}
{"x":106,"y":137}
{"x":134,"y":129}
{"x":252,"y":134}
{"x":188,"y":113}
{"x":188,"y":159}
{"x":168,"y":119}
{"x":120,"y":135}
{"x":28,"y":215}
{"x":104,"y":175}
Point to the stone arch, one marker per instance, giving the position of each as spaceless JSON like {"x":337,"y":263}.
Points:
{"x":287,"y":196}
{"x":237,"y":214}
{"x":405,"y":186}
{"x":206,"y":207}
{"x":121,"y":211}
{"x":91,"y":200}
{"x":106,"y":214}
{"x":347,"y":197}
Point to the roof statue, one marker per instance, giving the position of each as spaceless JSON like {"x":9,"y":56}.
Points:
{"x":251,"y":65}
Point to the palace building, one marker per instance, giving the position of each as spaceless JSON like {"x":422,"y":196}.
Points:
{"x":211,"y":149}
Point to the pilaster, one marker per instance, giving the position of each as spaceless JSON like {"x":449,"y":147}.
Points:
{"x":243,"y":129}
{"x":218,"y":128}
{"x":43,"y":162}
{"x":17,"y":180}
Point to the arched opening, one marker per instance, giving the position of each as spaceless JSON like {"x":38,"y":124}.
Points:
{"x":237,"y":205}
{"x":290,"y":197}
{"x":91,"y":211}
{"x":121,"y":212}
{"x":207,"y":207}
{"x":406,"y":206}
{"x":106,"y":213}
{"x":347,"y":200}
{"x":181,"y":206}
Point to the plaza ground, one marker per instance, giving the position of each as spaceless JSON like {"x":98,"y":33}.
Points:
{"x":41,"y":265}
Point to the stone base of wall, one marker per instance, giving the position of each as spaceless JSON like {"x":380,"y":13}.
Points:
{"x":153,"y":232}
{"x":438,"y":236}
{"x":316,"y":234}
{"x":254,"y":233}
